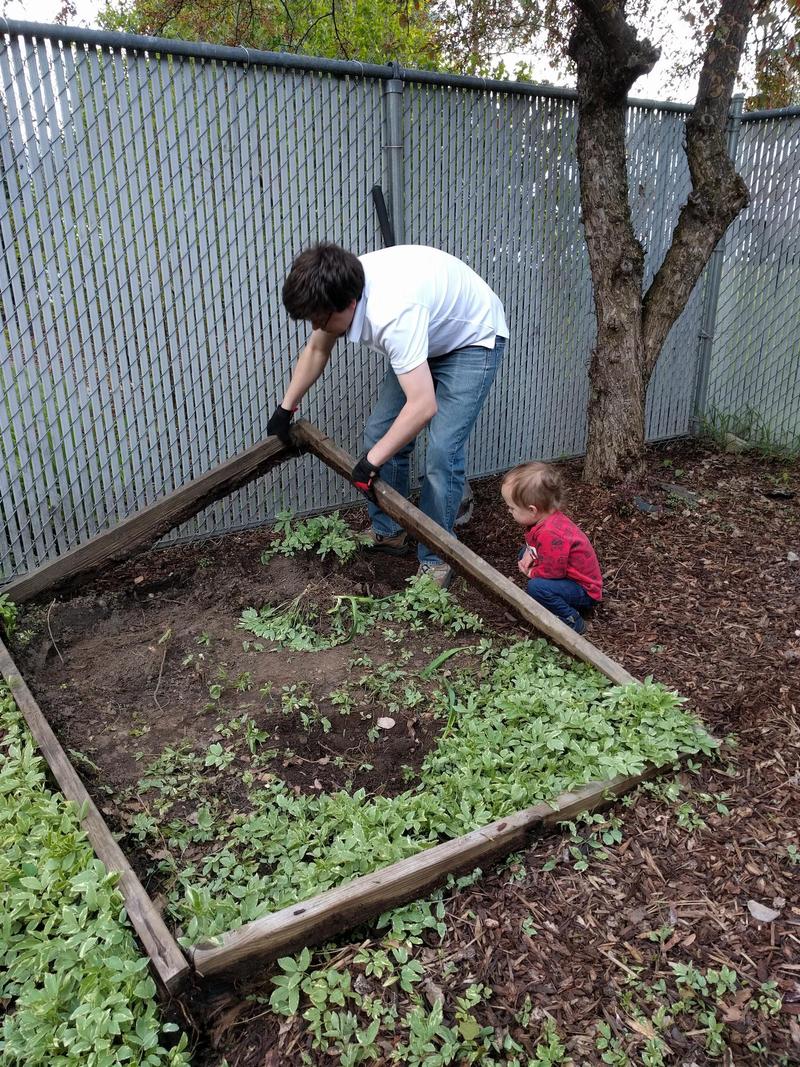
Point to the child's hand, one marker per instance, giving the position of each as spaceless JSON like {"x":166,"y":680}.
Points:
{"x":526,"y":561}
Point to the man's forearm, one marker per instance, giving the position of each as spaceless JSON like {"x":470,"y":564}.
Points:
{"x":411,"y":419}
{"x":310,"y":364}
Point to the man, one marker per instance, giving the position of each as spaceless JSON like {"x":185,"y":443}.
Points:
{"x":444,"y":332}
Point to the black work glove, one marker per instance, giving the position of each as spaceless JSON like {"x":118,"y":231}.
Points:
{"x":364,"y":474}
{"x":279,"y":423}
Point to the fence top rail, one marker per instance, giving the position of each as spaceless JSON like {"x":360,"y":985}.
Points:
{"x":337,"y":67}
{"x":772,"y":113}
{"x":340,"y":67}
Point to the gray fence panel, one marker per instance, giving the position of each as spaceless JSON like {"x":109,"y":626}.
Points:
{"x":754,"y":375}
{"x":493,"y":179}
{"x":151,"y":206}
{"x":153,"y":196}
{"x":659,"y":185}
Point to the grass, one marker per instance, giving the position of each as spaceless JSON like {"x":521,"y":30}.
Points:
{"x":749,"y":425}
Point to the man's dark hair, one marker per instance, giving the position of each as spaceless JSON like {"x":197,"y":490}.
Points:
{"x":323,"y":279}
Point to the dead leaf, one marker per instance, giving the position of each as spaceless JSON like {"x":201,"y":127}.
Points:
{"x":731,"y":1014}
{"x":761,"y":913}
{"x":433,"y":992}
{"x":385,"y":723}
{"x":641,"y":1026}
{"x":226,"y":1020}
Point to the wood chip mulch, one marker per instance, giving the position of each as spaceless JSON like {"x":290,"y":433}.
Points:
{"x":702,"y":592}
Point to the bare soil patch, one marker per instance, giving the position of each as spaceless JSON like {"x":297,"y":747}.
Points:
{"x":148,"y":665}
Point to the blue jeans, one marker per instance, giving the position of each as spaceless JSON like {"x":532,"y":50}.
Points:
{"x":462,"y":380}
{"x":563,"y":597}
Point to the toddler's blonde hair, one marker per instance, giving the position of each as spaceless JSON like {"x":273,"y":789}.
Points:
{"x":534,"y":483}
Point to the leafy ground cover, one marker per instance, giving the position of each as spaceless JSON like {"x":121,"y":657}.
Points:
{"x":73,"y":986}
{"x":666,"y":931}
{"x":511,"y":722}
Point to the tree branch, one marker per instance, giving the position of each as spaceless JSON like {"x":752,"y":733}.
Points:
{"x":718,"y":193}
{"x":624,"y":57}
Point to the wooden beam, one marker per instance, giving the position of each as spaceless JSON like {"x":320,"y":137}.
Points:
{"x":143,"y":529}
{"x":322,"y":917}
{"x":168,"y":961}
{"x":463,"y":559}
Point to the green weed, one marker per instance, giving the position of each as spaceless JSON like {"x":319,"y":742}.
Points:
{"x":8,"y":615}
{"x":324,"y":534}
{"x":749,"y":425}
{"x":80,"y":990}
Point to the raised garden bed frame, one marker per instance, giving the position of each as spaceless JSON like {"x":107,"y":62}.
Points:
{"x":321,"y":917}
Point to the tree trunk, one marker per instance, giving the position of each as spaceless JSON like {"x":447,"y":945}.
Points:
{"x":631,"y":326}
{"x":615,"y":443}
{"x":616,"y":395}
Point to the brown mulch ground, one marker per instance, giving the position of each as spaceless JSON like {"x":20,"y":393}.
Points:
{"x":703,"y":594}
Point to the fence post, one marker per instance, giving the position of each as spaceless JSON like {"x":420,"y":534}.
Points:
{"x":711,"y":295}
{"x":393,"y":151}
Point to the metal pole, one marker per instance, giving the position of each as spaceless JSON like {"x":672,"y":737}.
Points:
{"x":393,"y":152}
{"x":713,"y":282}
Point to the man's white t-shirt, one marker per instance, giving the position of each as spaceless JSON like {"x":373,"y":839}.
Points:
{"x":420,"y":302}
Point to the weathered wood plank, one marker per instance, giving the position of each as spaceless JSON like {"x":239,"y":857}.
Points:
{"x":463,"y":559}
{"x":167,"y":959}
{"x":143,"y":529}
{"x":313,"y":921}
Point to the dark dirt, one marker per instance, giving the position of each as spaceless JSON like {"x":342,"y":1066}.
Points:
{"x":703,"y":594}
{"x":124,"y":670}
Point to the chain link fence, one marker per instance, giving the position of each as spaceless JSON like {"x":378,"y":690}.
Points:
{"x":754,"y":370}
{"x":153,"y":195}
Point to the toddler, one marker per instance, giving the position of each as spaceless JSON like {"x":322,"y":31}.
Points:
{"x":558,"y":560}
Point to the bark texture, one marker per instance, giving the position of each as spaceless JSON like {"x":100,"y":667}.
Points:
{"x":632,"y":326}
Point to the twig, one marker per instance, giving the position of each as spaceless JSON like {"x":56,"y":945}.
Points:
{"x":150,"y":815}
{"x":614,"y":574}
{"x":158,"y":683}
{"x":617,"y":962}
{"x":53,"y":640}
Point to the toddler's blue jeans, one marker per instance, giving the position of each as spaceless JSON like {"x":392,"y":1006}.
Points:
{"x":563,"y":597}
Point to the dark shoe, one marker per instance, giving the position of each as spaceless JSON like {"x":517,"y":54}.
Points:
{"x":579,"y":626}
{"x":441,"y":573}
{"x":393,"y":545}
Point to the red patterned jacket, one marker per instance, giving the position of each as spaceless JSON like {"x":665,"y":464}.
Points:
{"x":557,"y":548}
